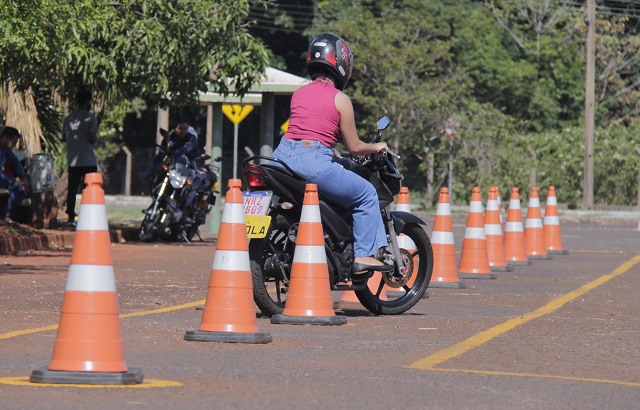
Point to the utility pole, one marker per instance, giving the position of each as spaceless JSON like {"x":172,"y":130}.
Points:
{"x":587,"y":191}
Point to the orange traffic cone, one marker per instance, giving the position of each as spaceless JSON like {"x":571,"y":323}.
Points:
{"x":445,"y":272}
{"x":514,"y":251}
{"x":309,"y":297}
{"x":229,"y":314}
{"x":349,"y":300}
{"x":474,"y":261}
{"x":404,"y":242}
{"x":493,"y":231}
{"x":403,"y":204}
{"x":552,"y":237}
{"x":88,"y":347}
{"x":533,"y":232}
{"x":499,"y":199}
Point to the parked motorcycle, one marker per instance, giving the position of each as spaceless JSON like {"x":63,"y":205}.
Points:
{"x":280,"y":190}
{"x":182,"y":197}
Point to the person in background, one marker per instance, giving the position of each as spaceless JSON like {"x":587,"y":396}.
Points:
{"x":80,"y":132}
{"x":181,"y":143}
{"x":18,"y":188}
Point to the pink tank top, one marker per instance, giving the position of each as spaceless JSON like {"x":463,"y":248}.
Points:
{"x":314,"y":115}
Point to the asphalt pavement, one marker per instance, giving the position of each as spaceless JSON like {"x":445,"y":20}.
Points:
{"x":561,"y":334}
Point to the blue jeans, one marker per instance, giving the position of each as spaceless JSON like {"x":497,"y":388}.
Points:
{"x":340,"y":186}
{"x":16,"y":195}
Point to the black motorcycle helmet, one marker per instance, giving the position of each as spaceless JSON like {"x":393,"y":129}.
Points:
{"x":329,"y":53}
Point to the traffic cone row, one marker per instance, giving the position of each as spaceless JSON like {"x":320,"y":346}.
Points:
{"x":88,"y":347}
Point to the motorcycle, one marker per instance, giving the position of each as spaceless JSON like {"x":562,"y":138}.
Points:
{"x":281,"y":191}
{"x":182,"y":197}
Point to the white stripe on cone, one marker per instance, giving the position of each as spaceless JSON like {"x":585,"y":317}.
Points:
{"x":310,"y":254}
{"x":552,"y":200}
{"x":514,"y":204}
{"x":310,"y":213}
{"x":514,"y":227}
{"x":474,"y":233}
{"x":233,"y":213}
{"x":493,"y":229}
{"x":442,"y":238}
{"x":91,"y":278}
{"x":475,"y":206}
{"x":533,"y":223}
{"x":492,"y":205}
{"x":534,"y":202}
{"x":406,"y":243}
{"x":551,"y":220}
{"x":443,"y":208}
{"x":403,"y":208}
{"x":92,"y":217}
{"x":231,"y":260}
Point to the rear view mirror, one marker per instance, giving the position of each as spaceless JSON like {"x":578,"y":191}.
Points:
{"x":383,"y":122}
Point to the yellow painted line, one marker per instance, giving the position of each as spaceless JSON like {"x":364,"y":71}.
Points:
{"x":544,"y":376}
{"x":445,"y":354}
{"x":126,"y":315}
{"x":24,"y":381}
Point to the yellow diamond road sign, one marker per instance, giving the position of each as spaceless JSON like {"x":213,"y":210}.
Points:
{"x":236,"y":113}
{"x":284,"y":127}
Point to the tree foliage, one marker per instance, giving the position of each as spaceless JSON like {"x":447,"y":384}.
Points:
{"x":153,"y":49}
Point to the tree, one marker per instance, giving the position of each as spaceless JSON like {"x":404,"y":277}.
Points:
{"x":155,"y":49}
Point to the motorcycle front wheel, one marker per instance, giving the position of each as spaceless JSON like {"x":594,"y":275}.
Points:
{"x":153,"y":225}
{"x":422,"y":267}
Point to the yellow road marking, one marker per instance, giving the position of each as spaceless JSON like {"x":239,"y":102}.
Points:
{"x":24,"y":381}
{"x":126,"y":315}
{"x":544,"y":376}
{"x":429,"y":362}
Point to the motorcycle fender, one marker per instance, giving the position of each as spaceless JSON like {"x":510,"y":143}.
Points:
{"x":400,"y":219}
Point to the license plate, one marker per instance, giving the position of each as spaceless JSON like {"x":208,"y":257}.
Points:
{"x":256,"y":203}
{"x":257,"y":226}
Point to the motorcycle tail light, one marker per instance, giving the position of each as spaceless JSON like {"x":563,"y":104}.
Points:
{"x":253,"y":179}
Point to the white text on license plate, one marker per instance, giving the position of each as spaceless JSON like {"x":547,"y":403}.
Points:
{"x":256,"y":203}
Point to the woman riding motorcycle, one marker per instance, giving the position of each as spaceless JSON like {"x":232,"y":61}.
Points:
{"x":320,"y":113}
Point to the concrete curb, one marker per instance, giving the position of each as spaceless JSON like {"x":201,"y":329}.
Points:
{"x":58,"y":239}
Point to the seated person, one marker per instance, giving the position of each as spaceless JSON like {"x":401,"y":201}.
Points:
{"x":17,"y":186}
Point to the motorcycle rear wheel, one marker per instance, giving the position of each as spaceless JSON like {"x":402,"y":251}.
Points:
{"x":423,"y":261}
{"x":269,"y":290}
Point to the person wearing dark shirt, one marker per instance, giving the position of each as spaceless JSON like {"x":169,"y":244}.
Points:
{"x":17,"y":189}
{"x":181,"y":143}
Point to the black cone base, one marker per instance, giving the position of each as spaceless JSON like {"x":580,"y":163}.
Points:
{"x":44,"y":375}
{"x":540,"y":257}
{"x":448,"y":285}
{"x":562,"y":252}
{"x":501,"y":268}
{"x":309,"y":320}
{"x":519,"y":263}
{"x":476,"y":275}
{"x":227,"y":337}
{"x":396,"y":295}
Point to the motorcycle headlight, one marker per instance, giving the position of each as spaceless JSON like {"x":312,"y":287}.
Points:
{"x":177,"y":180}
